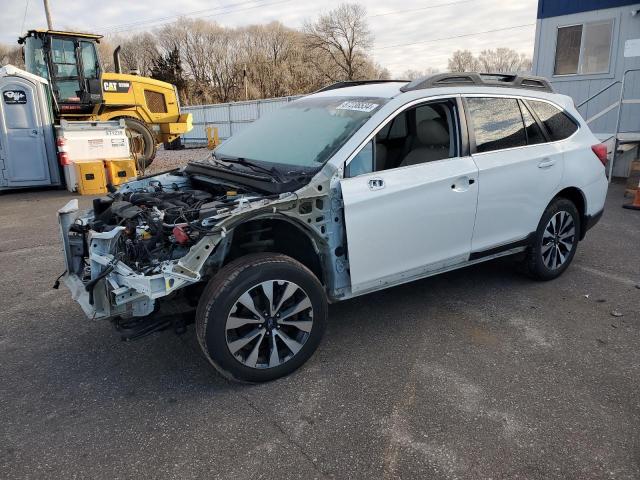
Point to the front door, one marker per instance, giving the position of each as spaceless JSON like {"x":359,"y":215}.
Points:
{"x":22,"y":136}
{"x":416,"y":213}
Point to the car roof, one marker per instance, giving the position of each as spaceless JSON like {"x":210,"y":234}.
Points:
{"x":442,"y":83}
{"x":380,"y":90}
{"x":393,"y":89}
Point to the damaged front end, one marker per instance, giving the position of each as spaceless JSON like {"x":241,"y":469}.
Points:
{"x":148,"y":240}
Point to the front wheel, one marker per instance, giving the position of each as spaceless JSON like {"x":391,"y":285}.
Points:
{"x":555,"y":242}
{"x":261,"y":317}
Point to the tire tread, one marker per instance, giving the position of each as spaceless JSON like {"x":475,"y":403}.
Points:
{"x":222,"y":281}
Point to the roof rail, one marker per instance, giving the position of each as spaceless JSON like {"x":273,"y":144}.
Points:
{"x":511,"y":80}
{"x":355,"y":83}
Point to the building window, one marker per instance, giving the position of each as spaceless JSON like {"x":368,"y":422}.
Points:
{"x":583,"y":49}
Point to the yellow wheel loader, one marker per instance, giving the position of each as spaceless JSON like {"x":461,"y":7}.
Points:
{"x":82,"y":90}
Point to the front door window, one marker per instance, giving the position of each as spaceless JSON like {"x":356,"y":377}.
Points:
{"x":65,"y":70}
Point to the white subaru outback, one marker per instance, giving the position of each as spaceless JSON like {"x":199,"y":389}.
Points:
{"x":356,"y":188}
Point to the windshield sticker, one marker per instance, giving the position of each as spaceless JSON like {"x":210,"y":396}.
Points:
{"x":358,"y":106}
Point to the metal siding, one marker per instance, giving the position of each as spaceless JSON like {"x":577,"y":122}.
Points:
{"x":556,"y":8}
{"x":229,"y":118}
{"x":244,"y":112}
{"x":580,"y":87}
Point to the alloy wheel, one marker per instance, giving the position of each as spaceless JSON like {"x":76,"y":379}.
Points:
{"x":269,"y":324}
{"x":558,"y":239}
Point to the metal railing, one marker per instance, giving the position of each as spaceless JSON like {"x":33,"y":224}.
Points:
{"x":619,"y":104}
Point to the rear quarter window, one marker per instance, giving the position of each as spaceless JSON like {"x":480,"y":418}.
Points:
{"x":557,"y":123}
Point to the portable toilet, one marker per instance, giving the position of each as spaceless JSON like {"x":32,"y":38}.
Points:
{"x":28,"y":155}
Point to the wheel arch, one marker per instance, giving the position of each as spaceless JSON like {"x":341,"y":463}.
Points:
{"x":578,"y":198}
{"x":130,"y":112}
{"x":278,"y":234}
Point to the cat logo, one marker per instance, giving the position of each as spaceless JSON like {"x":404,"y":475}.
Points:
{"x":116,"y":87}
{"x":14,"y":97}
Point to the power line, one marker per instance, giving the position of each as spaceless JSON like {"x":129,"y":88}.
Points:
{"x":384,"y":47}
{"x":419,"y":9}
{"x":162,"y":21}
{"x":170,"y":17}
{"x":24,"y":19}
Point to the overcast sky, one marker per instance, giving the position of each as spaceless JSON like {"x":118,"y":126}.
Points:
{"x":403,"y":30}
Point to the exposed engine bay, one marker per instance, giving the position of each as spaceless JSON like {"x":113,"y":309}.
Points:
{"x":149,"y":239}
{"x":161,"y":224}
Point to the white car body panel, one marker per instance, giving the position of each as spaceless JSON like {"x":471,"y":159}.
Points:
{"x":423,"y":215}
{"x":515,"y":186}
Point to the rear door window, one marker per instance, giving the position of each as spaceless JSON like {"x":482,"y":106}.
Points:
{"x":557,"y":123}
{"x":497,"y":123}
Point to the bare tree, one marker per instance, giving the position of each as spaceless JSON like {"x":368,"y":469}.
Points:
{"x":105,"y":52}
{"x":276,"y":59}
{"x":269,"y":49}
{"x":138,"y":52}
{"x":344,"y":36}
{"x":500,"y":60}
{"x":413,"y":74}
{"x":10,"y":55}
{"x":463,"y":61}
{"x":526,"y":63}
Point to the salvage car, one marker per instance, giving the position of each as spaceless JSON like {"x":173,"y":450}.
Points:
{"x":356,"y":188}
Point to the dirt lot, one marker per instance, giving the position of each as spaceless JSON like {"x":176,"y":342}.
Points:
{"x":479,"y":373}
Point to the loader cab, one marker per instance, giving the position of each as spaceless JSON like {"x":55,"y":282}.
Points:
{"x":70,"y":62}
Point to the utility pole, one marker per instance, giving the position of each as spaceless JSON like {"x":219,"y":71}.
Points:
{"x":246,"y":87}
{"x":48,"y":14}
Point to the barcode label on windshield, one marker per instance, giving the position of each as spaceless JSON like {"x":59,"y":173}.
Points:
{"x":357,"y":106}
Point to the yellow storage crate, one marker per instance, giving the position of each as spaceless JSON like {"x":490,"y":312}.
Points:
{"x":90,"y":177}
{"x":120,"y":170}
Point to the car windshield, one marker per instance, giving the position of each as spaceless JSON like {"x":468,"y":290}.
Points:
{"x":304,"y":133}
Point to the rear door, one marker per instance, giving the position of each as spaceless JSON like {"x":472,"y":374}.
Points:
{"x":404,"y":221}
{"x":22,"y":136}
{"x":519,"y":171}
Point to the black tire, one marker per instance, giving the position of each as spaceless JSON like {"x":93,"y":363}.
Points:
{"x":222,"y":294}
{"x":148,"y":147}
{"x":543,"y":267}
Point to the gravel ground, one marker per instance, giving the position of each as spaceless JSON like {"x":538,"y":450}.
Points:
{"x":168,"y":159}
{"x":474,"y":374}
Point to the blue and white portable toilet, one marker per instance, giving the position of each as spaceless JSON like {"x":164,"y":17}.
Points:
{"x":28,"y":155}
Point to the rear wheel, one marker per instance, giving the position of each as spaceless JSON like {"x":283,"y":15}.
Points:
{"x":555,"y":242}
{"x":261,"y":317}
{"x":143,"y":145}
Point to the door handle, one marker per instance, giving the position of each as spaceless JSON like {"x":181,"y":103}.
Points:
{"x":462,"y":184}
{"x":546,"y":163}
{"x":376,"y":183}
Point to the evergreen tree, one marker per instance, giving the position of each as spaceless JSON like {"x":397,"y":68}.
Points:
{"x":168,"y":68}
